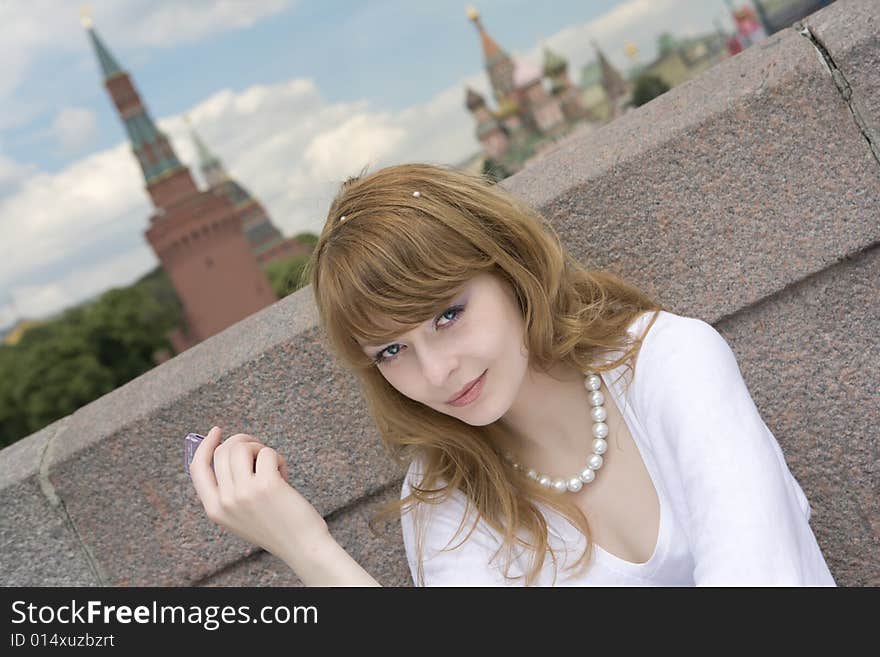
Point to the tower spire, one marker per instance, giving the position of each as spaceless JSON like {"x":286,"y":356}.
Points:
{"x":612,"y":81}
{"x":209,"y":164}
{"x":167,"y":179}
{"x":499,"y":65}
{"x":490,"y":46}
{"x":108,"y":64}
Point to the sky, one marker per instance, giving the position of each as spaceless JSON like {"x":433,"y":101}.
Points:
{"x":292,"y":95}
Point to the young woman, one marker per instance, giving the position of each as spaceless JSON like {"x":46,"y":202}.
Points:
{"x":583,"y":434}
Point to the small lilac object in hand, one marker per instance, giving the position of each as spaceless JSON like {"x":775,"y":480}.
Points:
{"x":191,"y":443}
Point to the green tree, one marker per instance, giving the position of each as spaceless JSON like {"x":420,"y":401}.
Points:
{"x":307,"y":238}
{"x":56,"y":378}
{"x":83,"y":354}
{"x":647,"y":88}
{"x":13,"y":422}
{"x":665,"y":43}
{"x":284,"y":275}
{"x":124,"y":328}
{"x":494,"y":170}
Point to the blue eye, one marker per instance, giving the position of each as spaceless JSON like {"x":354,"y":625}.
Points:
{"x":457,"y":310}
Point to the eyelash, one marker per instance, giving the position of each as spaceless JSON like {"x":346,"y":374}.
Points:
{"x":459,"y":310}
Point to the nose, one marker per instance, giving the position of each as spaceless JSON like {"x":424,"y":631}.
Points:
{"x":439,"y":367}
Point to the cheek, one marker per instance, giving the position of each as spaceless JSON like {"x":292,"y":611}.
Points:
{"x":403,"y":382}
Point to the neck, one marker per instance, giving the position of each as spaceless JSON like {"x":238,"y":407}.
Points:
{"x":549,"y":421}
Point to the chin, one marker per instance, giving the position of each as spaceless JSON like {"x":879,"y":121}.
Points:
{"x":480,"y":419}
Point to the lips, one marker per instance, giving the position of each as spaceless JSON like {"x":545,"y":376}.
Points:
{"x":464,"y":390}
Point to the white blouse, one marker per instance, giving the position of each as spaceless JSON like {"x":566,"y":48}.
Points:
{"x":731,"y":512}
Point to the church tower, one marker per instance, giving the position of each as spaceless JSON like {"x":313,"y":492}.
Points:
{"x":556,"y":69}
{"x":499,"y":65}
{"x":613,"y":83}
{"x":197,"y":235}
{"x":491,"y":134}
{"x":261,"y":233}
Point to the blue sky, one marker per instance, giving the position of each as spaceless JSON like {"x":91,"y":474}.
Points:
{"x":293,"y":96}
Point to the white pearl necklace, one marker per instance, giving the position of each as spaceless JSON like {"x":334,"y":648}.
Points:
{"x":592,"y":382}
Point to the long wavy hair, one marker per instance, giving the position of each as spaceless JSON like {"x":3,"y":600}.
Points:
{"x":385,"y":254}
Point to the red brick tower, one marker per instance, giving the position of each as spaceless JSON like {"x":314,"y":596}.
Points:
{"x":197,"y":236}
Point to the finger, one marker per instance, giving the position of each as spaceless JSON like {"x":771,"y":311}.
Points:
{"x":222,"y":461}
{"x":202,"y":473}
{"x":241,"y":462}
{"x":270,"y":464}
{"x":204,"y":453}
{"x":240,"y":438}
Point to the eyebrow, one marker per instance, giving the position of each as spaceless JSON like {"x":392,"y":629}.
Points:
{"x":440,"y":306}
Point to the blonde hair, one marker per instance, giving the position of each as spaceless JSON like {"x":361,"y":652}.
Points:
{"x":387,"y":253}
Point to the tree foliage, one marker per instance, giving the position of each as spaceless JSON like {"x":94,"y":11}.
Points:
{"x":647,"y":88}
{"x":284,"y":275}
{"x":84,"y":353}
{"x":494,"y":170}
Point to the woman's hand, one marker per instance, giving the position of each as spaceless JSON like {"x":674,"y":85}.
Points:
{"x":248,"y":494}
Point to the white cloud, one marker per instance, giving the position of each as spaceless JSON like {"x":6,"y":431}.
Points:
{"x":52,"y":218}
{"x":34,"y":300}
{"x":30,"y":28}
{"x":74,"y":128}
{"x":166,"y":23}
{"x":13,"y":174}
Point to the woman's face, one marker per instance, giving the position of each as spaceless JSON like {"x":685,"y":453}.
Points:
{"x":481,"y":332}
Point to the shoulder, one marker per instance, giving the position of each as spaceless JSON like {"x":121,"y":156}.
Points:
{"x":682,"y":361}
{"x":677,"y":345}
{"x":670,"y":329}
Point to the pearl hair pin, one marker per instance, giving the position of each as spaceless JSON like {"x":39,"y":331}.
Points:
{"x":415,"y":195}
{"x":573,"y":484}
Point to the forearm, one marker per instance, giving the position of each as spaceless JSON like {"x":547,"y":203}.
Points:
{"x":323,"y":562}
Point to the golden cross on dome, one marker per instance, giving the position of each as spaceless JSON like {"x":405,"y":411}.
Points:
{"x":85,"y":15}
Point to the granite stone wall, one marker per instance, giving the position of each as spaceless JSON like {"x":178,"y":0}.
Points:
{"x":747,"y":197}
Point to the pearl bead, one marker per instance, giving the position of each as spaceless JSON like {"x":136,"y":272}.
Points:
{"x":593,"y":383}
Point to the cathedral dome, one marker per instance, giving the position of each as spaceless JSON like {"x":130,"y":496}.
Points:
{"x":525,"y":74}
{"x":553,"y":63}
{"x":473,"y":100}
